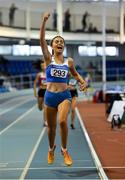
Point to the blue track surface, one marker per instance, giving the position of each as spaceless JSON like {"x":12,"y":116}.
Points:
{"x":24,"y":144}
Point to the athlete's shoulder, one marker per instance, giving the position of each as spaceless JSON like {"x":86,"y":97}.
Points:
{"x":70,"y":60}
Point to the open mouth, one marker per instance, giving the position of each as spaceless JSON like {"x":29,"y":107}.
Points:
{"x":59,"y":47}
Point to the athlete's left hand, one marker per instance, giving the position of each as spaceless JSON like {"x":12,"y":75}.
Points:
{"x":83,"y":86}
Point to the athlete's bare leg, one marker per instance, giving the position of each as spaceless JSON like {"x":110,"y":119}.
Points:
{"x":40,"y":103}
{"x":41,"y":107}
{"x":51,"y":114}
{"x":63,"y":110}
{"x":73,"y":105}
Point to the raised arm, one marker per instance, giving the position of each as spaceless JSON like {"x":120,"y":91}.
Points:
{"x":82,"y":83}
{"x":43,"y":43}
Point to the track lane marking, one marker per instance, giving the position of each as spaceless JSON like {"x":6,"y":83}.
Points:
{"x":26,"y":168}
{"x":17,"y":120}
{"x":14,"y":106}
{"x":98,"y":165}
{"x":14,"y":99}
{"x":47,"y":168}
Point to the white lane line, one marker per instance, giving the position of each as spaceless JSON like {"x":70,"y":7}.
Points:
{"x":17,"y":120}
{"x":25,"y":170}
{"x":12,"y":100}
{"x":3,"y":95}
{"x":3,"y":165}
{"x":16,"y":105}
{"x":58,"y":168}
{"x":47,"y":168}
{"x":19,"y":162}
{"x":92,"y":150}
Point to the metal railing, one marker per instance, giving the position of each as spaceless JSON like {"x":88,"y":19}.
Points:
{"x":26,"y":80}
{"x":23,"y":81}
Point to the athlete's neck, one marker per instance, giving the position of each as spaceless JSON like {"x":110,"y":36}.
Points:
{"x":59,"y":58}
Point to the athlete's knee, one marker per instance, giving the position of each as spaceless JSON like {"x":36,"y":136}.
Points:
{"x":62,"y":123}
{"x":52,"y":129}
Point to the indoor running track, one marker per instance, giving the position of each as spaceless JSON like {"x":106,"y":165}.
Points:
{"x":24,"y":144}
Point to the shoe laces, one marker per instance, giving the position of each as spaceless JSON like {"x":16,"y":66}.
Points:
{"x":66,"y":154}
{"x":51,"y":153}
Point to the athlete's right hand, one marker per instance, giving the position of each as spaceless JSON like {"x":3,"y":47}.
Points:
{"x":46,"y":16}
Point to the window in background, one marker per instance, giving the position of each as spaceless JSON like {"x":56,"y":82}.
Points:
{"x":35,"y":50}
{"x":82,"y":50}
{"x":94,"y":51}
{"x":99,"y":51}
{"x":21,"y":50}
{"x":5,"y":50}
{"x":87,"y":51}
{"x":26,"y":50}
{"x":91,"y":51}
{"x":109,"y":51}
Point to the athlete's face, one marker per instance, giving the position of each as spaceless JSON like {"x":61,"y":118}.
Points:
{"x":58,"y":45}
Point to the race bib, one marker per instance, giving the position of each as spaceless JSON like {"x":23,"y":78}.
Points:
{"x":62,"y":73}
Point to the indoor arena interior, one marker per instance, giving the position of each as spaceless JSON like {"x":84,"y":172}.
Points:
{"x":62,"y":89}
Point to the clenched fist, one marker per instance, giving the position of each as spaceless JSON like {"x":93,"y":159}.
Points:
{"x":46,"y":16}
